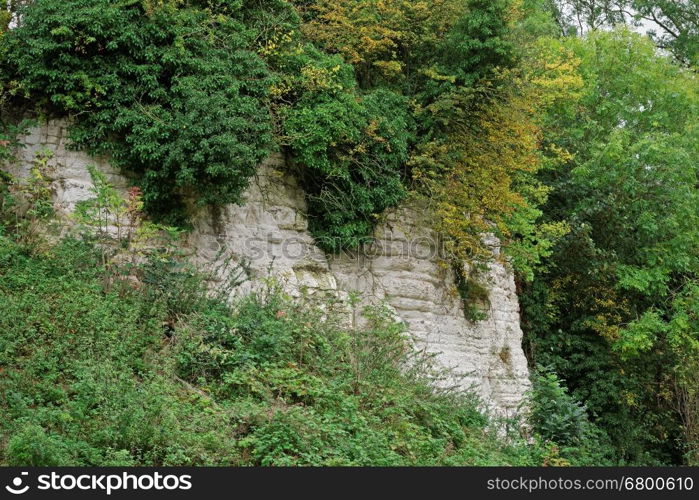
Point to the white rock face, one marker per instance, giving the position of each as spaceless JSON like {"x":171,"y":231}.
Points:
{"x":268,"y":234}
{"x":71,"y":182}
{"x":404,"y":269}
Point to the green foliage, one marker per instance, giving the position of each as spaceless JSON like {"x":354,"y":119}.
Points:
{"x":557,"y":417}
{"x":426,"y":72}
{"x":478,"y":43}
{"x":26,"y":206}
{"x":9,"y":133}
{"x":474,"y":294}
{"x":173,"y":94}
{"x":348,"y":148}
{"x":79,"y":381}
{"x":308,"y":392}
{"x":601,"y":314}
{"x":351,"y":151}
{"x":673,"y":25}
{"x":117,"y":224}
{"x":158,"y":371}
{"x":480,"y":117}
{"x":579,"y":154}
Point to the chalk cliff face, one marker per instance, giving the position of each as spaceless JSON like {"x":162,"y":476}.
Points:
{"x":403,"y":269}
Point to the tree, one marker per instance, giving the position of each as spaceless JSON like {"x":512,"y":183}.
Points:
{"x":676,"y":25}
{"x":481,"y":116}
{"x":383,"y":39}
{"x":673,"y":24}
{"x":605,"y":307}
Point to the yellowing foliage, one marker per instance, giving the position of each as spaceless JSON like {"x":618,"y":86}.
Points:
{"x":481,"y":175}
{"x":380,"y":34}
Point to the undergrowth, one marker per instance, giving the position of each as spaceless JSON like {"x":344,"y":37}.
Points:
{"x":113,"y":360}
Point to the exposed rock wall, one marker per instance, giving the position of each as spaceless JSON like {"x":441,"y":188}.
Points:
{"x":70,"y":178}
{"x":268,"y":233}
{"x":404,"y":269}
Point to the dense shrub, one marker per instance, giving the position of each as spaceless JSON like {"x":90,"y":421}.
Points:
{"x":308,"y":391}
{"x":95,"y":377}
{"x":578,"y":152}
{"x":171,"y":93}
{"x":351,"y":151}
{"x":348,"y":147}
{"x":84,"y":382}
{"x":556,"y":417}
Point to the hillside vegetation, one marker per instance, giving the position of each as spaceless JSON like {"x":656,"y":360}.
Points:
{"x":110,"y":355}
{"x":554,"y":125}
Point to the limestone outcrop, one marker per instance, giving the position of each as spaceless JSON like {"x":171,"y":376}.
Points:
{"x":268,"y":235}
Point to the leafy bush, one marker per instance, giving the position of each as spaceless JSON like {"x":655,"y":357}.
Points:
{"x":348,"y":147}
{"x":172,"y":94}
{"x":351,"y":151}
{"x":557,"y":417}
{"x":83,"y":379}
{"x":307,"y":391}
